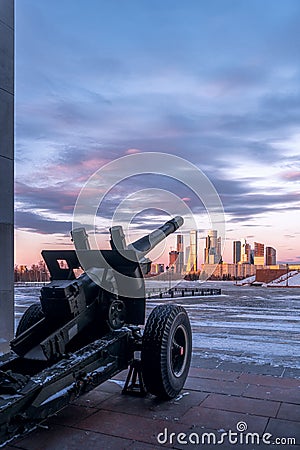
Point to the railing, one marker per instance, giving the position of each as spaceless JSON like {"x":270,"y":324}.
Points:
{"x":31,"y":283}
{"x":181,"y":292}
{"x":150,"y":292}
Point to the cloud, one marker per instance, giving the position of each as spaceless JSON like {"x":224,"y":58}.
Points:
{"x":84,"y":99}
{"x":235,"y":79}
{"x":57,"y":199}
{"x":283,"y":102}
{"x":132,"y":151}
{"x":30,"y":221}
{"x":291,"y":175}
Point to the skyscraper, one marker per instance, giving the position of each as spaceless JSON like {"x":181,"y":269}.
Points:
{"x":245,"y":252}
{"x":173,"y":257}
{"x":219,"y":249}
{"x":187,"y":255}
{"x":193,"y":258}
{"x":270,"y":256}
{"x":259,"y":252}
{"x":212,"y":251}
{"x":179,"y":262}
{"x":236,"y":251}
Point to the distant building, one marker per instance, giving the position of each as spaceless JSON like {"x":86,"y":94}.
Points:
{"x":187,"y":255}
{"x":173,"y":256}
{"x":193,"y":257}
{"x":270,"y":256}
{"x":259,"y":254}
{"x":160,"y":267}
{"x":212,"y":251}
{"x":157,"y":268}
{"x":252,"y":256}
{"x":219,"y":249}
{"x":179,"y":262}
{"x":236,"y":251}
{"x":229,"y":271}
{"x":245,"y":252}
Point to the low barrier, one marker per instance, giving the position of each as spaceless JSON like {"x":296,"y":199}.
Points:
{"x":31,"y":283}
{"x":181,"y":292}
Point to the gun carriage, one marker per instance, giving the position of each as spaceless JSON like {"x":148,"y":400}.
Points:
{"x":86,"y":329}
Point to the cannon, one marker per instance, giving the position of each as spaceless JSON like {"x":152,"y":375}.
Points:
{"x":88,"y":328}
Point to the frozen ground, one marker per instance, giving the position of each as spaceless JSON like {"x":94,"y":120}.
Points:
{"x":245,"y":324}
{"x":293,"y":280}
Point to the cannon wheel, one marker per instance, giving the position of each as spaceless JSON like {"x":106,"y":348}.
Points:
{"x":166,"y":350}
{"x":31,"y":316}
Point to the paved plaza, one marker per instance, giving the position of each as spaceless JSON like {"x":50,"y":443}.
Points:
{"x":249,"y":400}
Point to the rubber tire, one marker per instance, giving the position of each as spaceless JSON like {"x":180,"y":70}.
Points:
{"x":163,"y":323}
{"x":31,"y":316}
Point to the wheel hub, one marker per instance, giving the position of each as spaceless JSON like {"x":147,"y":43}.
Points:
{"x":179,"y":350}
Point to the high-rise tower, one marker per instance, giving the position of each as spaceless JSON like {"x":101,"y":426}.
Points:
{"x":236,"y":251}
{"x":179,"y":262}
{"x":259,"y":253}
{"x":270,"y":256}
{"x":245,"y":252}
{"x":212,"y":251}
{"x":193,"y":257}
{"x":173,"y":257}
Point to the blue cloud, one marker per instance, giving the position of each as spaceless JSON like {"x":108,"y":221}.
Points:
{"x":214,"y":82}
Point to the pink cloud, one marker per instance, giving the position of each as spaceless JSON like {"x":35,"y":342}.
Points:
{"x":132,"y":151}
{"x":94,"y":163}
{"x":292,"y":175}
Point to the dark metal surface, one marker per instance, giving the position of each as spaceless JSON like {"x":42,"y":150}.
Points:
{"x":80,"y":341}
{"x":147,"y":243}
{"x":48,"y":390}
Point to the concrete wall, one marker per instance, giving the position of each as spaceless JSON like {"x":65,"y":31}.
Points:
{"x":6,"y":171}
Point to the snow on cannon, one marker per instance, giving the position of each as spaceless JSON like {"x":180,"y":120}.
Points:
{"x":86,"y":329}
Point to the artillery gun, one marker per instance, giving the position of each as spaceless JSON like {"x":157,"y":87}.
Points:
{"x":86,"y":329}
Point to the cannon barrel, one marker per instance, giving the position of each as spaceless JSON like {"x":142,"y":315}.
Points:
{"x":145,"y":244}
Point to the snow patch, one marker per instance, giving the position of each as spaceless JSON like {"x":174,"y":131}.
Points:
{"x":290,"y":279}
{"x":180,"y":396}
{"x":58,"y":394}
{"x":119,"y":382}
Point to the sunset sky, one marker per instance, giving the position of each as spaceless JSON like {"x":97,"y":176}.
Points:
{"x":216,"y":82}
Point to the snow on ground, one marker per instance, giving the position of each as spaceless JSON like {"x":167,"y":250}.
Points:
{"x":248,"y":280}
{"x":244,"y":324}
{"x":292,"y":279}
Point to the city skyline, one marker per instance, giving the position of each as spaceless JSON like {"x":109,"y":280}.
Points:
{"x":242,"y":254}
{"x":256,"y":253}
{"x":194,"y":238}
{"x":214,"y":82}
{"x":180,"y":256}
